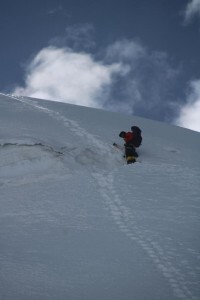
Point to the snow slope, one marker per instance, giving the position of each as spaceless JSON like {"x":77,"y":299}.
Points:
{"x":77,"y":223}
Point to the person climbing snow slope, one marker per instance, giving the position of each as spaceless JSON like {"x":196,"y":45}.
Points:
{"x":132,"y":140}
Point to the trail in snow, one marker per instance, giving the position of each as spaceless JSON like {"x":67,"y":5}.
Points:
{"x":97,"y":151}
{"x":121,"y":214}
{"x":127,"y":224}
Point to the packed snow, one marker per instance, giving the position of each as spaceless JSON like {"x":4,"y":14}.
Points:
{"x":77,"y":223}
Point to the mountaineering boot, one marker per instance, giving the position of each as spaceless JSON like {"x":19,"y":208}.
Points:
{"x":130,"y":160}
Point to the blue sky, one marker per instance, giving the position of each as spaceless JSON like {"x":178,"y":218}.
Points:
{"x":140,"y":57}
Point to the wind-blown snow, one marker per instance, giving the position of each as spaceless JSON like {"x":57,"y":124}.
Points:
{"x":77,"y":223}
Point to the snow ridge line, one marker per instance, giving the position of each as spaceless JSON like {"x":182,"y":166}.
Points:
{"x":70,"y":124}
{"x":126,"y":223}
{"x":120,"y":213}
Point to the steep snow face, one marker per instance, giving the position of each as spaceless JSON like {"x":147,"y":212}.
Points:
{"x":77,"y":223}
{"x":24,"y":161}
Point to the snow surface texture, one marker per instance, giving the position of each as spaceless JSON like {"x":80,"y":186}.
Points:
{"x":77,"y":223}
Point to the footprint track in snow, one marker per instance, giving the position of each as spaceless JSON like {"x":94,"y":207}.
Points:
{"x":76,"y":129}
{"x":121,"y":215}
{"x":125,"y":220}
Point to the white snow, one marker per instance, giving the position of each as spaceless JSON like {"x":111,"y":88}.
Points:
{"x":77,"y":223}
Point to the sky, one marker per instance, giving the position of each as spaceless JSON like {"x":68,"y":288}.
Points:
{"x":139,"y":57}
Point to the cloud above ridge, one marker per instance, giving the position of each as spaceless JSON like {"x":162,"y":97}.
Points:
{"x":61,"y":74}
{"x":192,"y":10}
{"x":124,"y":76}
{"x":147,"y":88}
{"x":190,"y":113}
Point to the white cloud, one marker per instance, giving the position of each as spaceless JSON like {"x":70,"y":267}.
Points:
{"x":190,"y":113}
{"x":63,"y":75}
{"x":149,"y":80}
{"x":126,"y":49}
{"x":77,"y":36}
{"x":192,"y":9}
{"x":127,"y":77}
